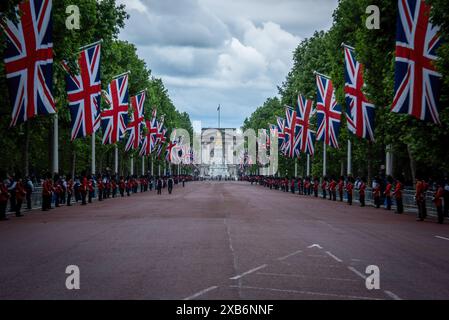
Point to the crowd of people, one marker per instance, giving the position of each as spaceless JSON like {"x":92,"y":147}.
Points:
{"x":59,"y":190}
{"x":384,"y":191}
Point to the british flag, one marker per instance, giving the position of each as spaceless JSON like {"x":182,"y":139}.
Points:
{"x":360,"y":112}
{"x":170,"y":150}
{"x":306,"y":136}
{"x":291,"y":131}
{"x":160,"y":131}
{"x":281,"y":133}
{"x":136,"y":123}
{"x":329,"y":112}
{"x":29,"y":61}
{"x":145,"y":148}
{"x":161,"y":143}
{"x":273,"y":133}
{"x":115,"y":119}
{"x":417,"y":83}
{"x":84,"y":93}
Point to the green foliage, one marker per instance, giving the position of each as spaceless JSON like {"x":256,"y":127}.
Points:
{"x":100,"y":19}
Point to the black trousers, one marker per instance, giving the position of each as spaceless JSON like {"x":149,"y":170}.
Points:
{"x":388,"y":203}
{"x":12,"y":202}
{"x":18,"y":207}
{"x":83,"y":199}
{"x":377,"y":201}
{"x":341,"y":195}
{"x":100,"y":195}
{"x":159,"y":191}
{"x":170,"y":189}
{"x":334,"y":195}
{"x":350,"y":199}
{"x":324,"y":194}
{"x":362,"y":200}
{"x":69,"y":199}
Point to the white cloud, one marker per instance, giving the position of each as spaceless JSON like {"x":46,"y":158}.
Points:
{"x":215,"y":51}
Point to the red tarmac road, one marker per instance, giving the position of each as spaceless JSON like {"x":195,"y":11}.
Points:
{"x":222,"y":240}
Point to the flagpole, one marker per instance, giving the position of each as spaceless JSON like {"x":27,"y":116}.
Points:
{"x":296,"y":167}
{"x":132,"y":165}
{"x":93,"y":167}
{"x":308,"y":164}
{"x":143,"y":165}
{"x":152,"y":165}
{"x":324,"y":159}
{"x":90,"y":45}
{"x":389,"y":162}
{"x":349,"y":157}
{"x":116,"y":160}
{"x":55,"y":144}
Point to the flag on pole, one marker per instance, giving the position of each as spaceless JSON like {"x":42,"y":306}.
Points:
{"x":329,"y":112}
{"x":84,"y":93}
{"x":137,"y":121}
{"x":115,"y":119}
{"x":29,"y":60}
{"x":359,"y":112}
{"x":291,"y":131}
{"x":281,"y":133}
{"x":417,"y":83}
{"x":306,"y":136}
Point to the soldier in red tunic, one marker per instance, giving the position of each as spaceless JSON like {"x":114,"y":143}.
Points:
{"x":349,"y":188}
{"x":387,"y":192}
{"x":20,"y":197}
{"x":438,"y":200}
{"x":100,"y":189}
{"x":362,"y":190}
{"x":419,"y":196}
{"x":376,"y":192}
{"x":341,"y":187}
{"x":333,"y":189}
{"x":69,"y":192}
{"x":46,"y":194}
{"x":324,"y":187}
{"x":84,"y":188}
{"x":398,"y":197}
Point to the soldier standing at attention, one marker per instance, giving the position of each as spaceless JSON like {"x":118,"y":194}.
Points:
{"x":362,"y":188}
{"x":349,"y":188}
{"x":159,"y":185}
{"x":315,"y":187}
{"x":398,"y":197}
{"x":341,"y":186}
{"x":438,"y":200}
{"x":419,"y":196}
{"x":29,"y":187}
{"x":46,"y":195}
{"x":333,"y":189}
{"x":100,"y":189}
{"x":114,"y":187}
{"x":292,"y":186}
{"x":91,"y":190}
{"x":12,"y":192}
{"x":4,"y":195}
{"x":324,"y":187}
{"x":387,"y":193}
{"x":69,"y":192}
{"x":170,"y":183}
{"x":122,"y":186}
{"x":20,"y":196}
{"x":376,"y":192}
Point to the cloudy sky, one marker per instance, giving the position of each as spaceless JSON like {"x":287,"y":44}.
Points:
{"x":227,"y":52}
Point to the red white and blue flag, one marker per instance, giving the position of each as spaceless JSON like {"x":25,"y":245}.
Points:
{"x":360,"y":112}
{"x":84,"y":93}
{"x":281,"y":133}
{"x":417,"y":83}
{"x":329,"y":112}
{"x":137,"y":121}
{"x":291,"y":130}
{"x":306,"y":136}
{"x":162,"y":141}
{"x":29,"y":60}
{"x":114,"y":120}
{"x":171,"y":150}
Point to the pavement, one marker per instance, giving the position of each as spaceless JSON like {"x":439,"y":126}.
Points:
{"x":223,"y":240}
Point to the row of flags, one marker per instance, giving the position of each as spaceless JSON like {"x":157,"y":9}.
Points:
{"x":417,"y":89}
{"x":29,"y":71}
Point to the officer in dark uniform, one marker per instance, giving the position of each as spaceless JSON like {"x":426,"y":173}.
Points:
{"x":159,"y":185}
{"x":170,"y":183}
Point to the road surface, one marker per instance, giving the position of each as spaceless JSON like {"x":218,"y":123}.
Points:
{"x":222,"y":240}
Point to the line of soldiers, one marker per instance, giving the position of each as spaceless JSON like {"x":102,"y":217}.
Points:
{"x":61,"y":191}
{"x":332,"y":188}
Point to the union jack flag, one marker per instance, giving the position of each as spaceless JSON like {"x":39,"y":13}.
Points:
{"x":417,"y":83}
{"x":84,"y":93}
{"x":136,"y":123}
{"x":145,"y":148}
{"x":360,"y":112}
{"x":273,"y":133}
{"x":291,"y":133}
{"x":281,"y":133}
{"x":160,"y":131}
{"x":162,"y":141}
{"x":306,"y":136}
{"x":329,"y":112}
{"x":114,"y":120}
{"x":170,"y":151}
{"x":29,"y":61}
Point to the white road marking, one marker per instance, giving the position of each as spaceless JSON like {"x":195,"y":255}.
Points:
{"x":289,"y":255}
{"x":392,"y":295}
{"x":248,"y":272}
{"x":334,"y":257}
{"x":443,"y":238}
{"x":196,"y":295}
{"x":303,"y":276}
{"x":308,"y":293}
{"x":315,"y":246}
{"x":361,"y":275}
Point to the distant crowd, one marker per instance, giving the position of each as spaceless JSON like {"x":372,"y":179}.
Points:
{"x":383,"y":191}
{"x":59,"y":190}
